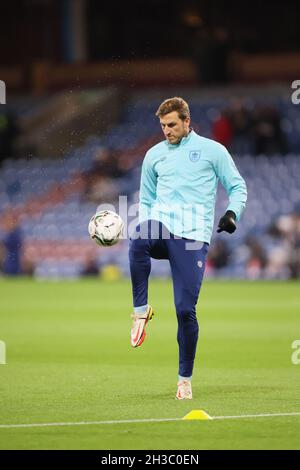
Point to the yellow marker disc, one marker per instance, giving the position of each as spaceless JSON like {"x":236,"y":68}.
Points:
{"x":197,"y":414}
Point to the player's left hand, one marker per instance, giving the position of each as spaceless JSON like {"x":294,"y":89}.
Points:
{"x":227,"y":222}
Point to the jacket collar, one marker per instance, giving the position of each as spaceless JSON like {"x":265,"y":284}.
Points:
{"x":183,"y":141}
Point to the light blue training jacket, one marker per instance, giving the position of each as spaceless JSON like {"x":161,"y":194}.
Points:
{"x":179,"y":185}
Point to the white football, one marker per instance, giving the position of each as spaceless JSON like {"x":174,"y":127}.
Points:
{"x":106,"y":228}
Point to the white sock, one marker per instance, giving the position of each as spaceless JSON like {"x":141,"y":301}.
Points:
{"x":180,"y":379}
{"x":141,"y":310}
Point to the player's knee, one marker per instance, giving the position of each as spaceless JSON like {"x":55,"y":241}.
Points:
{"x":138,"y":246}
{"x":185,"y":312}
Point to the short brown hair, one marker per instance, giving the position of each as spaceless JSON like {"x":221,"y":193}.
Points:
{"x":174,"y":104}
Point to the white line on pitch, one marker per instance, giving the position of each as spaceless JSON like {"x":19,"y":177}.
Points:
{"x":128,"y":421}
{"x":90,"y":423}
{"x":263,"y":415}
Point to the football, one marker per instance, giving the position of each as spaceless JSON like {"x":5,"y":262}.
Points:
{"x":106,"y":228}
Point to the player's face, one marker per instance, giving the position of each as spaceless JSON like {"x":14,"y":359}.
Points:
{"x":173,"y":127}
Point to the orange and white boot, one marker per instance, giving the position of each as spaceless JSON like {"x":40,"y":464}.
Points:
{"x":184,"y":390}
{"x":138,"y":331}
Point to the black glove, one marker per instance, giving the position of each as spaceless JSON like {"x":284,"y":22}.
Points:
{"x":227,"y":222}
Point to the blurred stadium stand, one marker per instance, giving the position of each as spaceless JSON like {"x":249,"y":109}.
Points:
{"x":62,"y":121}
{"x":51,"y":196}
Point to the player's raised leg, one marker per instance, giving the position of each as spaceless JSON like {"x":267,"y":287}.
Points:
{"x":146,"y":242}
{"x":187,"y":267}
{"x":140,"y":267}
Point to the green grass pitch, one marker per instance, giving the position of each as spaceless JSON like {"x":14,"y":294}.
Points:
{"x":69,"y":359}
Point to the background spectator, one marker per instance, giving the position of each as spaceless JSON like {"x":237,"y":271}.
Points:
{"x":12,"y":244}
